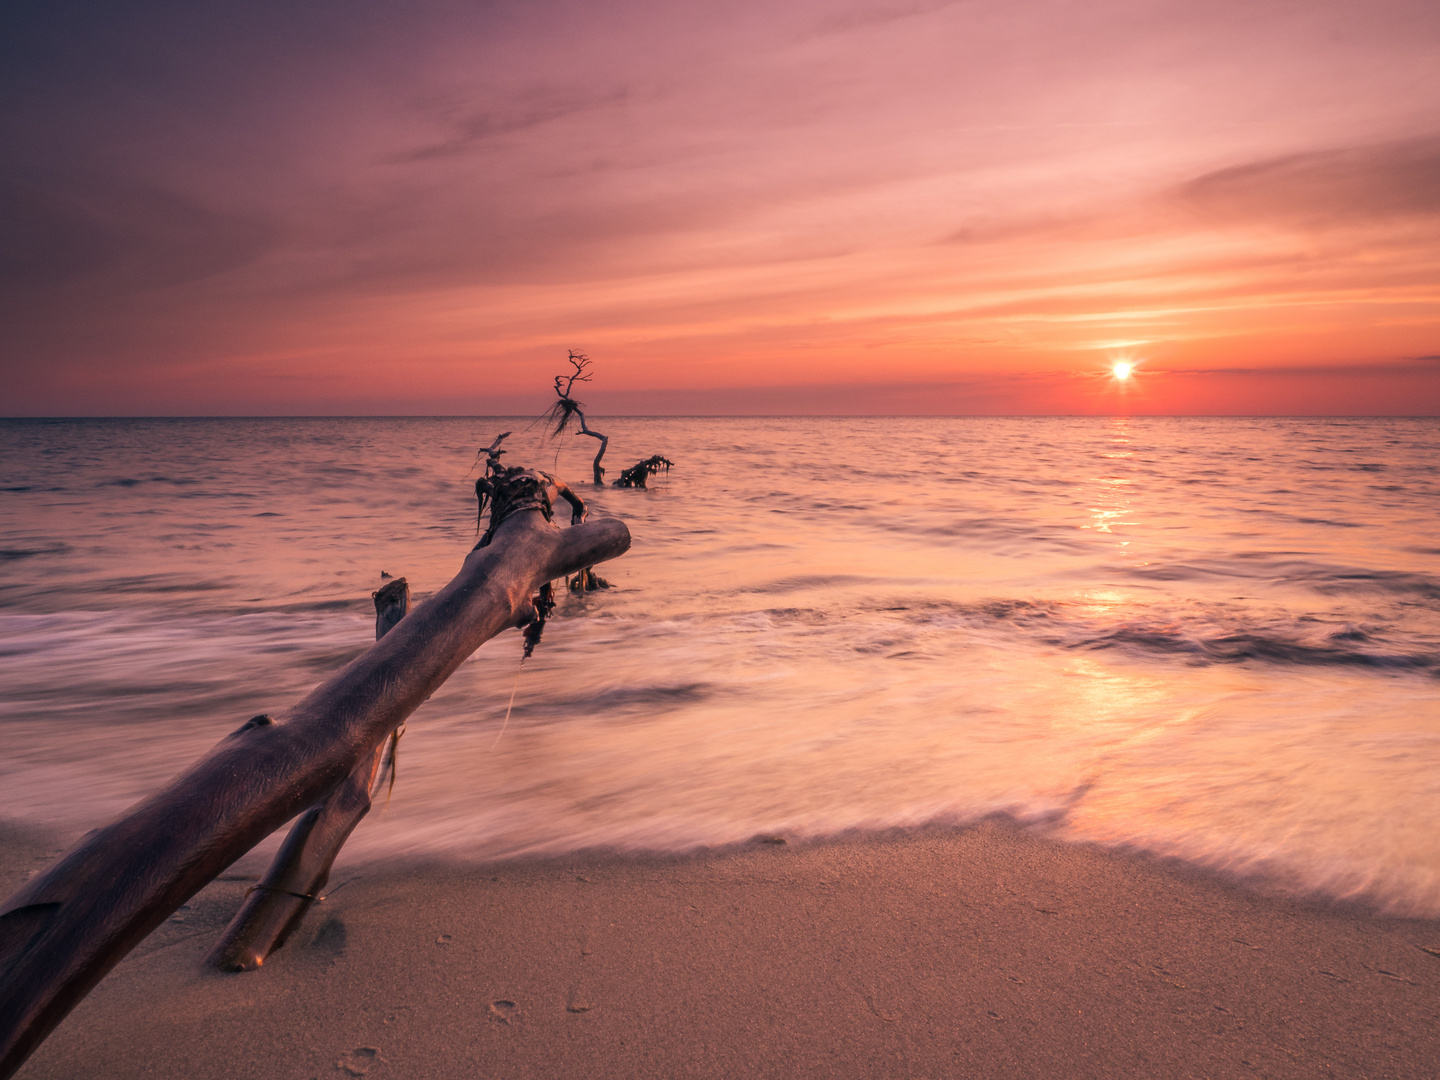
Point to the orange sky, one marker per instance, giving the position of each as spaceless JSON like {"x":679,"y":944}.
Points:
{"x":968,"y":207}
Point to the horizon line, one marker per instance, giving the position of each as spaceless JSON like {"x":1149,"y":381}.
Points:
{"x":734,"y":416}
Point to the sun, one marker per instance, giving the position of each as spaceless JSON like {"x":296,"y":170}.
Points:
{"x":1123,"y":370}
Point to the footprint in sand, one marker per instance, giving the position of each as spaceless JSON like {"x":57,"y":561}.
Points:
{"x":331,"y":937}
{"x":358,"y":1061}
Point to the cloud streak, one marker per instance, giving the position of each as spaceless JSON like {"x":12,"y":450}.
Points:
{"x":1332,"y":188}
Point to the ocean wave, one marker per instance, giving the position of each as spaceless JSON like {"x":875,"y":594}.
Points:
{"x":1234,"y":647}
{"x":1276,"y":569}
{"x":1196,"y":633}
{"x":647,"y":699}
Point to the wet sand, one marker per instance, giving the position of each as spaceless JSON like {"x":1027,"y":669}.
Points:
{"x":984,"y":952}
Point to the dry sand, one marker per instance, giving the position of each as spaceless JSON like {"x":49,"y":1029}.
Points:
{"x":982,"y":952}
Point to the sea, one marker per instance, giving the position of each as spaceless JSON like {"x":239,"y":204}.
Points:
{"x":1213,"y":640}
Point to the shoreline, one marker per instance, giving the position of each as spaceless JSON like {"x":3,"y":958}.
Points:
{"x":979,"y":951}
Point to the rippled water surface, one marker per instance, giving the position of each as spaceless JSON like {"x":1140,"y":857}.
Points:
{"x":1215,"y":639}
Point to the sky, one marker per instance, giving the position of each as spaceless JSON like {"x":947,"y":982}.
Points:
{"x":751,"y":207}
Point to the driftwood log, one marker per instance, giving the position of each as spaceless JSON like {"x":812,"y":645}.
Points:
{"x":63,"y":930}
{"x":276,"y":904}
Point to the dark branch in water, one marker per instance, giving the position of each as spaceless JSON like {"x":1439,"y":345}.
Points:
{"x":566,"y":406}
{"x":587,"y":581}
{"x":637,"y":474}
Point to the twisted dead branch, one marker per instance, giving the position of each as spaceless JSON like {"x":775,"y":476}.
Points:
{"x":566,"y":407}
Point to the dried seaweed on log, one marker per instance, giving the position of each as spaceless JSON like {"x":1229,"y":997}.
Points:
{"x":544,"y":605}
{"x":503,"y":490}
{"x":506,"y":490}
{"x":69,"y":925}
{"x":637,"y":474}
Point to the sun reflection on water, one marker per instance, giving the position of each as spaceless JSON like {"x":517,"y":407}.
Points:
{"x":1114,"y":491}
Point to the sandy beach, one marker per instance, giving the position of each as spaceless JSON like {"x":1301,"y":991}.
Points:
{"x":985,"y":951}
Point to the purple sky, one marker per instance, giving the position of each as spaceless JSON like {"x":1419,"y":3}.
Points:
{"x":743,"y":207}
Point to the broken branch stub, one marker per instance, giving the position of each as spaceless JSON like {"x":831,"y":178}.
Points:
{"x":392,"y":603}
{"x":69,"y":925}
{"x":275,"y":905}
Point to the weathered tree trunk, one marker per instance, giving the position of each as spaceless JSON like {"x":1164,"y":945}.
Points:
{"x":274,"y":907}
{"x":68,"y":926}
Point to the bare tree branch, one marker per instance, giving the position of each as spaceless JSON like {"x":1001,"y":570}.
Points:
{"x":566,"y":406}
